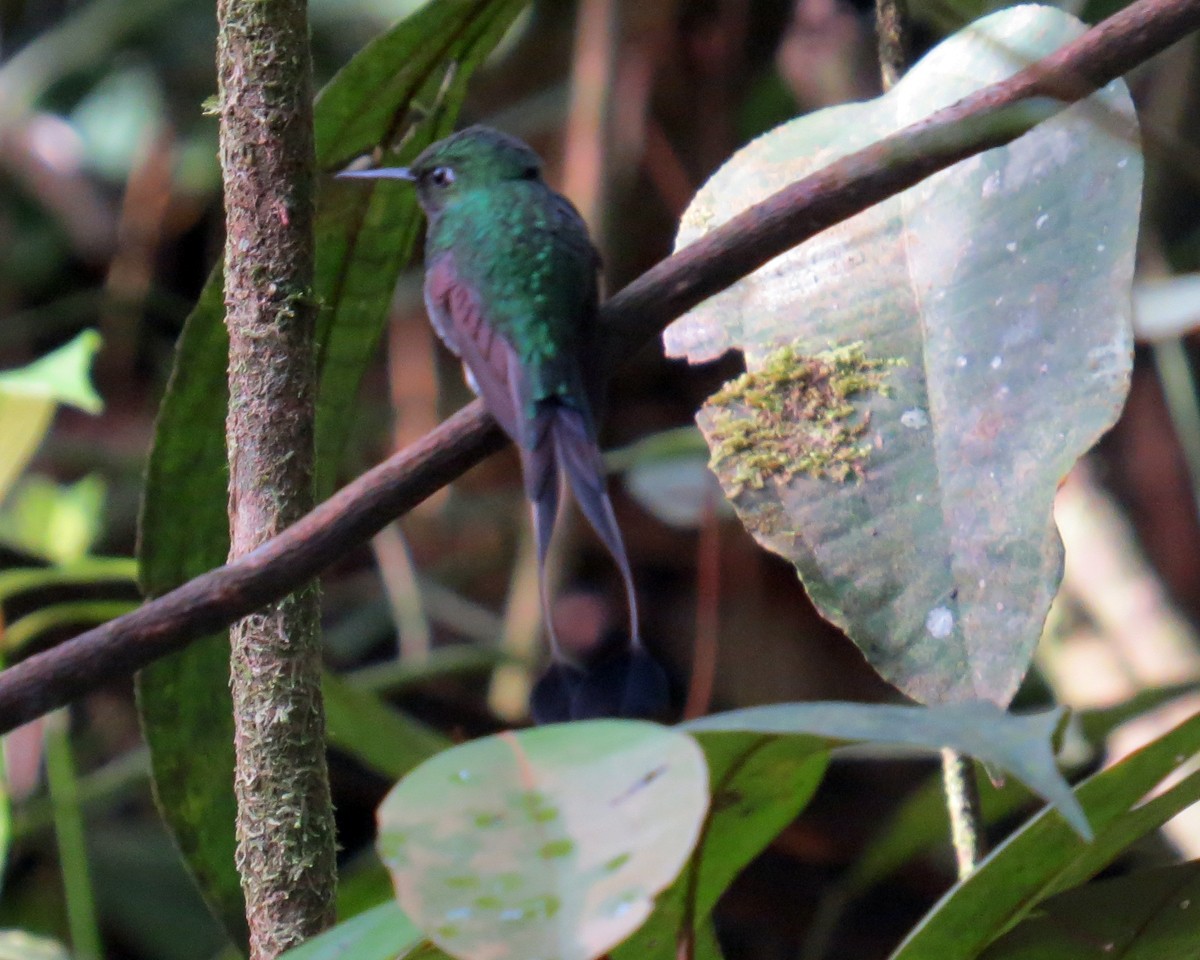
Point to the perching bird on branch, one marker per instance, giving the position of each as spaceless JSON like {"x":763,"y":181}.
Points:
{"x":511,"y":288}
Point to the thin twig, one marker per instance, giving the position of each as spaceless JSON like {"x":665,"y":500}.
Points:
{"x":639,"y":312}
{"x":966,"y":815}
{"x":708,"y":610}
{"x":891,"y":29}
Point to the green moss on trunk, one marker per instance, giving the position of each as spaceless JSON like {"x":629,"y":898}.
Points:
{"x":285,"y":820}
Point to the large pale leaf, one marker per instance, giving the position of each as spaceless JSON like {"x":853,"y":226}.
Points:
{"x":548,"y":843}
{"x":405,"y":89}
{"x":910,"y":478}
{"x":1044,"y":857}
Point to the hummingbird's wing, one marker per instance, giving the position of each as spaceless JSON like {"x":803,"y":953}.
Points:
{"x":458,"y":317}
{"x":497,"y":377}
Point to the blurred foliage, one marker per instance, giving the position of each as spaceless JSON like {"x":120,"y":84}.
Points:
{"x":110,"y":220}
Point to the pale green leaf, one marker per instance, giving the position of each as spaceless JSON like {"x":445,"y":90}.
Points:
{"x":550,"y":842}
{"x":381,"y":933}
{"x":30,"y":394}
{"x":982,"y":327}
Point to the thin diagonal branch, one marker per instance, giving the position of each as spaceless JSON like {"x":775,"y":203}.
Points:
{"x":992,"y":117}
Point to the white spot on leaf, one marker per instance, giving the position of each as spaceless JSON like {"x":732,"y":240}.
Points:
{"x":939,"y":623}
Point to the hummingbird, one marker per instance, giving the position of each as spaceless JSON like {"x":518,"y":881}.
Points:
{"x":511,"y":287}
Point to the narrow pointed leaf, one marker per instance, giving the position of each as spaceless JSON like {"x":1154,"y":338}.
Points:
{"x":980,"y":326}
{"x":1045,"y":857}
{"x":765,"y":763}
{"x":1022,"y":745}
{"x":1147,"y":915}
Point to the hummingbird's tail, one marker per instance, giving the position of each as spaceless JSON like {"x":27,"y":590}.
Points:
{"x":560,"y":440}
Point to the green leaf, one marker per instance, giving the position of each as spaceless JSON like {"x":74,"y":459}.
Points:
{"x":549,"y":842}
{"x":30,"y":394}
{"x":363,"y":237}
{"x":382,"y":738}
{"x":980,"y":334}
{"x":759,"y":784}
{"x":667,"y":474}
{"x":59,"y":522}
{"x":766,"y":762}
{"x":76,"y":613}
{"x":1019,"y":744}
{"x":381,"y":933}
{"x":1144,"y":916}
{"x":88,"y":570}
{"x":61,"y":376}
{"x":188,"y":726}
{"x":1045,"y":857}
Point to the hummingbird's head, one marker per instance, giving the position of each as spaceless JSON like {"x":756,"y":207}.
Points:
{"x":474,"y":158}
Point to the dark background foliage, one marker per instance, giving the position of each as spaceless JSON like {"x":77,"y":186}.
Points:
{"x":110,"y":218}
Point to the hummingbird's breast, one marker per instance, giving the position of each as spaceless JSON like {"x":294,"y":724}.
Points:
{"x":524,"y":252}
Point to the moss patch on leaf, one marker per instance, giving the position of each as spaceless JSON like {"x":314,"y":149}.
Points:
{"x":795,"y":415}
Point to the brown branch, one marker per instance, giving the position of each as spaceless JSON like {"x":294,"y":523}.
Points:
{"x":639,"y":312}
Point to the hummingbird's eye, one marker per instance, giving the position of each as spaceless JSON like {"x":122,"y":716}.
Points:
{"x":441,"y":176}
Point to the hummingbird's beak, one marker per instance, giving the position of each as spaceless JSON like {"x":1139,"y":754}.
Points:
{"x":381,"y":173}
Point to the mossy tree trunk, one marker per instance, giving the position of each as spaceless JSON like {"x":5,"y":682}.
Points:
{"x":285,"y":819}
